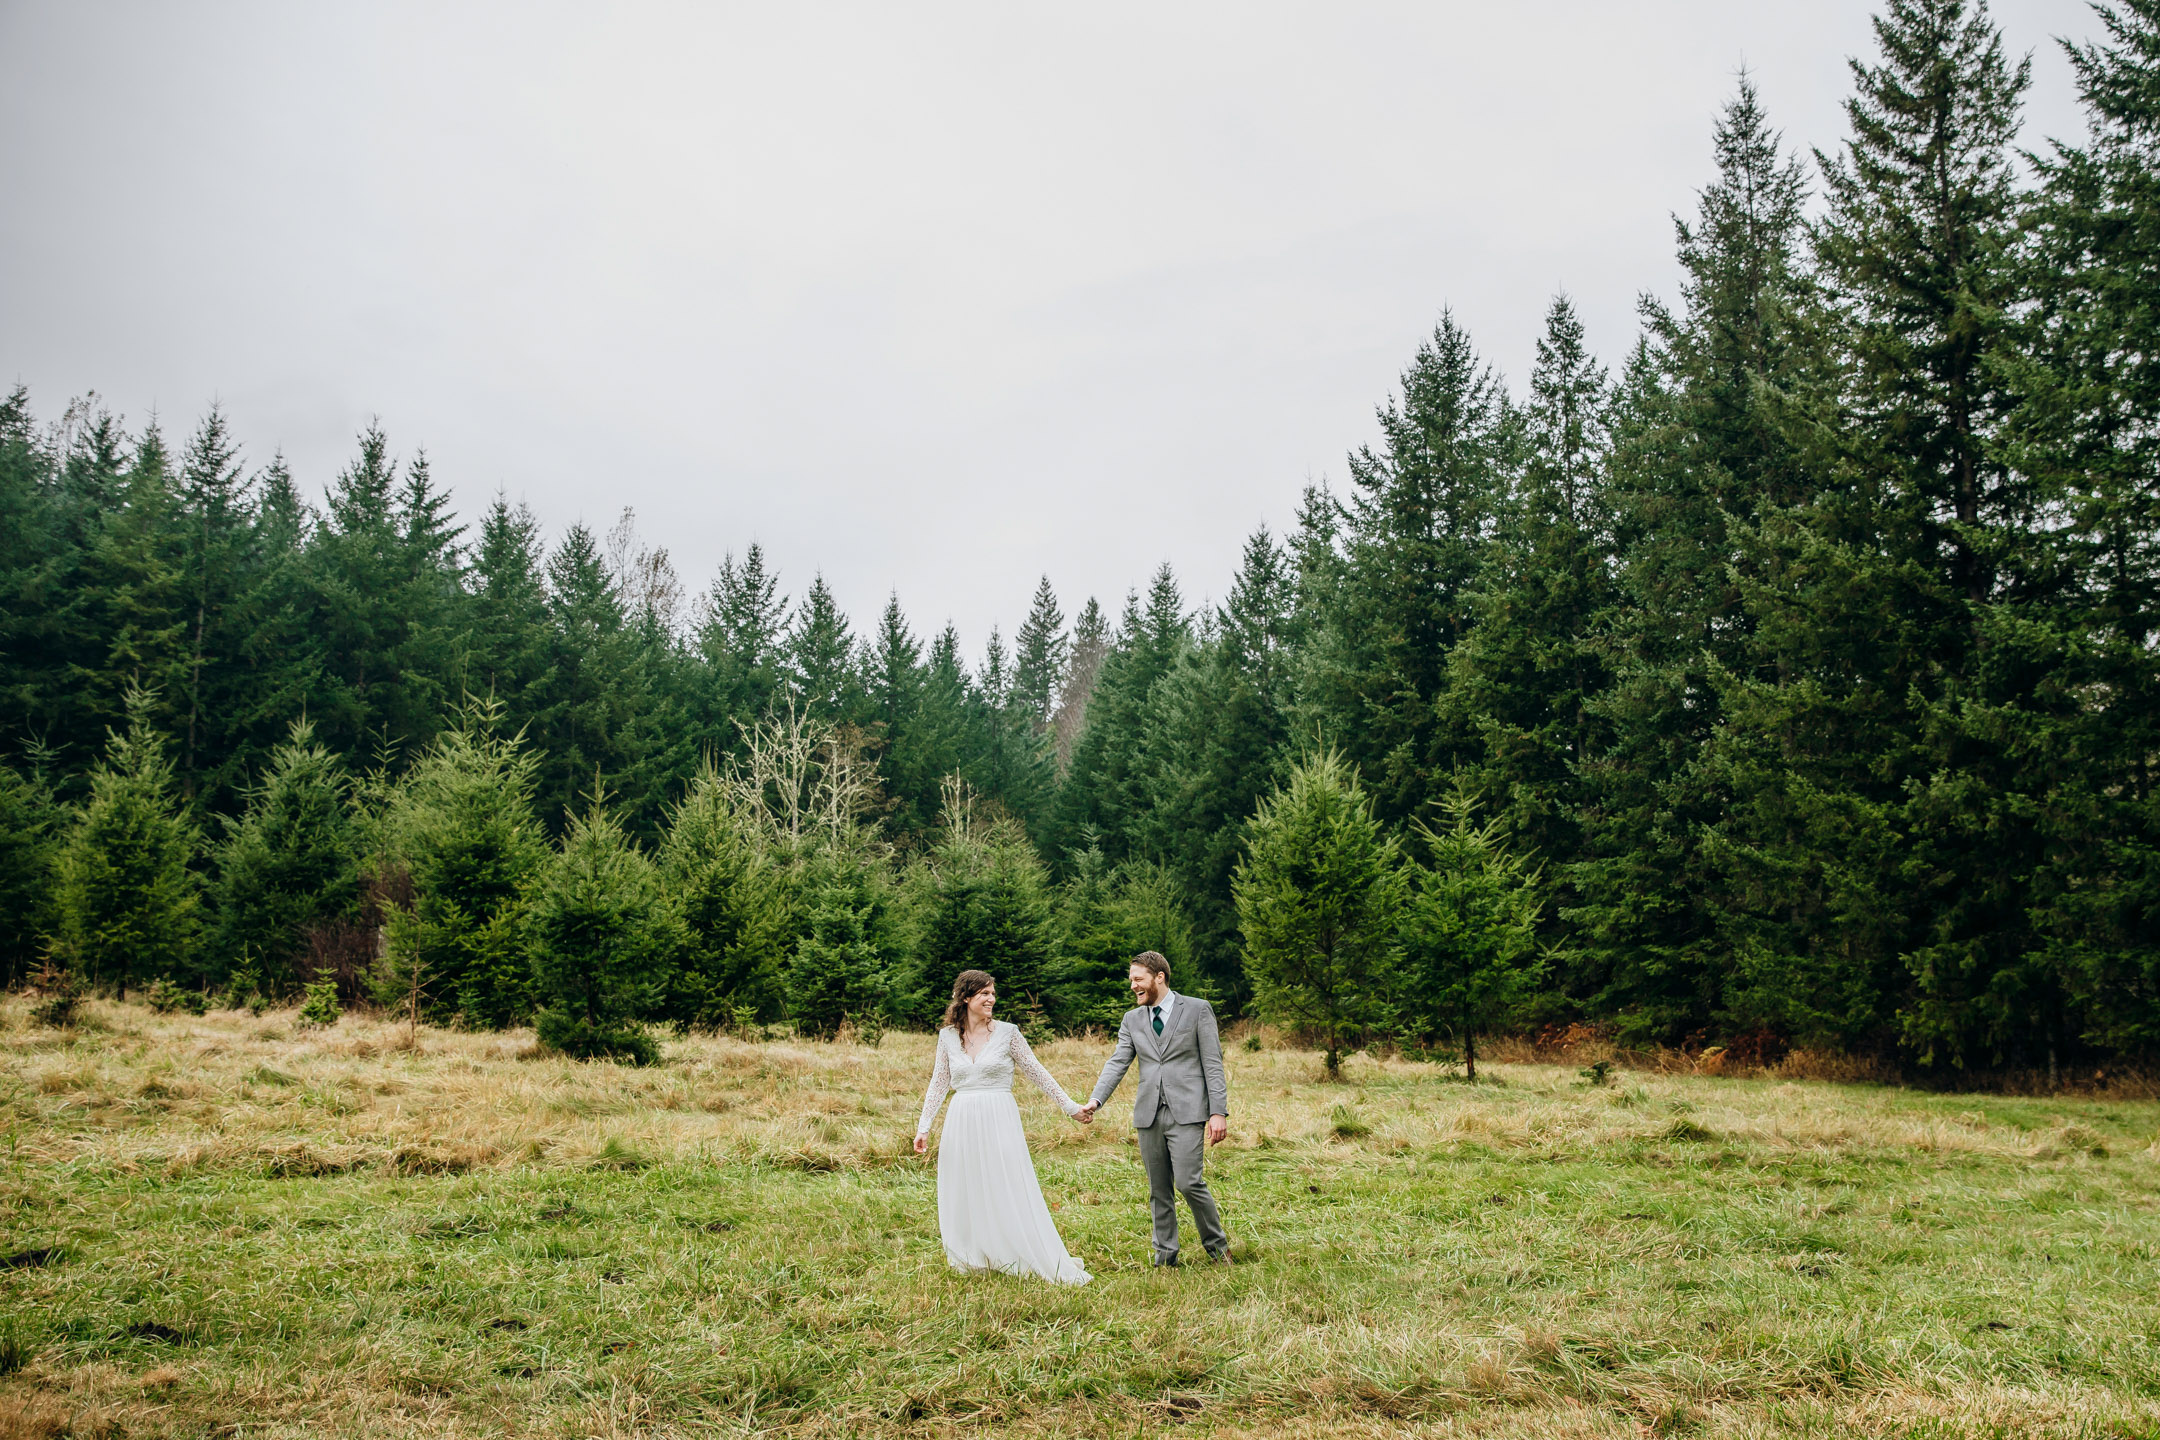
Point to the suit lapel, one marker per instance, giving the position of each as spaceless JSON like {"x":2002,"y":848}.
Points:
{"x":1181,"y":1020}
{"x":1144,"y":1027}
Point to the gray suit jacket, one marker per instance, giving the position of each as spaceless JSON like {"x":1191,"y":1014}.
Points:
{"x":1183,"y":1067}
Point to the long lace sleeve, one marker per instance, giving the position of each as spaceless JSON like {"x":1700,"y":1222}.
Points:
{"x":1025,"y":1062}
{"x":940,"y":1082}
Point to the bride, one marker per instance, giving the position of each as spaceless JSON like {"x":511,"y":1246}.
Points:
{"x":990,"y":1208}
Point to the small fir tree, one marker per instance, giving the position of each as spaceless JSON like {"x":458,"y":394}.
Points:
{"x":982,"y":903}
{"x":1320,"y":893}
{"x":601,"y":934}
{"x":1470,"y":960}
{"x":128,"y":900}
{"x":29,"y":849}
{"x":736,"y":908}
{"x":290,"y":863}
{"x":1104,"y":918}
{"x":843,"y":966}
{"x":461,"y":825}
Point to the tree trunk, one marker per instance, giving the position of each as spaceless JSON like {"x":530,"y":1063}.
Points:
{"x":1469,"y":1054}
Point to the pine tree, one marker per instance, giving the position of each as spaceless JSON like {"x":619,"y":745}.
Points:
{"x":1709,"y":426}
{"x":1090,"y":647}
{"x":129,"y":907}
{"x":1917,"y":248}
{"x":740,"y":640}
{"x":30,"y":827}
{"x":917,"y":748}
{"x":291,"y":863}
{"x":981,"y":902}
{"x":1416,"y":530}
{"x":385,"y":570}
{"x":589,"y":694}
{"x":460,"y":823}
{"x":844,"y":963}
{"x":1525,"y":680}
{"x":509,"y":647}
{"x":735,"y":906}
{"x":821,"y":656}
{"x":1320,"y":894}
{"x":215,"y":508}
{"x":1110,"y":782}
{"x":602,"y":935}
{"x":1040,"y":651}
{"x":1105,"y":917}
{"x":2087,"y":432}
{"x":1470,"y":961}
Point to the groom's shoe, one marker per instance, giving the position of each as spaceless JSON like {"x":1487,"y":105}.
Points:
{"x":1166,"y":1262}
{"x":1221,"y":1259}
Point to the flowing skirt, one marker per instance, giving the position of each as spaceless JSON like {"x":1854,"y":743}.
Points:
{"x":990,"y":1207}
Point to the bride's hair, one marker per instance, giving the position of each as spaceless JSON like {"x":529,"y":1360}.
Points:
{"x":965,"y":987}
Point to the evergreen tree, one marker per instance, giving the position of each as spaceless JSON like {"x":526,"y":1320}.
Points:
{"x":460,"y":823}
{"x":509,"y":646}
{"x":981,"y":903}
{"x":740,"y":640}
{"x":917,"y":743}
{"x":2088,"y":432}
{"x":384,"y":568}
{"x":590,"y":692}
{"x":1525,"y":680}
{"x":291,"y":863}
{"x":215,"y":509}
{"x":30,"y":823}
{"x":844,"y":963}
{"x":1041,"y":649}
{"x":1470,"y":961}
{"x":1090,"y":647}
{"x":735,"y":906}
{"x":821,"y":656}
{"x":1917,"y":250}
{"x":1416,"y":530}
{"x":1111,"y":780}
{"x":1320,"y":894}
{"x":602,"y":935}
{"x":129,"y":907}
{"x":1710,"y":428}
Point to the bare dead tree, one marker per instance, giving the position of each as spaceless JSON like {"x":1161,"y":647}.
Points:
{"x":1070,"y":716}
{"x":800,"y":778}
{"x":644,"y":575}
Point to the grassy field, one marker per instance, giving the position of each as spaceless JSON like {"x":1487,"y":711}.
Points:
{"x":262,"y":1231}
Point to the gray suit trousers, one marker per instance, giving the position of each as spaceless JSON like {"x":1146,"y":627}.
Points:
{"x":1172,"y":1154}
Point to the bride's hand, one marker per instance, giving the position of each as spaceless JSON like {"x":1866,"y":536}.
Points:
{"x":922,"y":1144}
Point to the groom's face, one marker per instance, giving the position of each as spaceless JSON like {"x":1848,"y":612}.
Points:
{"x":1147,"y":986}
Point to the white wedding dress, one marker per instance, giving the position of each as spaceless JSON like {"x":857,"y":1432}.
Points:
{"x":989,"y":1205}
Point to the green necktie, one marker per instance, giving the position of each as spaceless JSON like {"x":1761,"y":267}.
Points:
{"x":1158,"y":1018}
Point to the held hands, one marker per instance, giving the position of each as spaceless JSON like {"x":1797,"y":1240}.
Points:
{"x":1218,"y":1126}
{"x":1086,"y":1113}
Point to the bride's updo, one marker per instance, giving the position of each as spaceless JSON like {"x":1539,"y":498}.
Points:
{"x":965,"y":987}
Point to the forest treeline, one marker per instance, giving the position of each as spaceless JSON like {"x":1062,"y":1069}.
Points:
{"x":1799,"y":677}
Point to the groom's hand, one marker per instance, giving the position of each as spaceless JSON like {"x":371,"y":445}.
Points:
{"x":1218,"y":1126}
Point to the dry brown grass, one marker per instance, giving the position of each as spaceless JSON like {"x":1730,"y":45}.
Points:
{"x":360,"y":1230}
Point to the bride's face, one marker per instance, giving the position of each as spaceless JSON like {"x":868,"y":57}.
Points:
{"x":981,"y":1003}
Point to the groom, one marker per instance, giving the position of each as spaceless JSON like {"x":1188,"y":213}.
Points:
{"x":1182,"y":1093}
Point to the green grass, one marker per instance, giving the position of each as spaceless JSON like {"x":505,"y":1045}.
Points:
{"x":456,"y":1240}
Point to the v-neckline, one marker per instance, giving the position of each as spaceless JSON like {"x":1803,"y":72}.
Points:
{"x":975,"y":1057}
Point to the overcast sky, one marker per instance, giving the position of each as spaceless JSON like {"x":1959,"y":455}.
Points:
{"x":929,"y":297}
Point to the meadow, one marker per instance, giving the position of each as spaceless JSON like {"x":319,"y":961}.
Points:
{"x":230,"y":1225}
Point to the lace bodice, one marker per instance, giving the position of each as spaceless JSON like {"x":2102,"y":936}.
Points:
{"x":1005,"y":1052}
